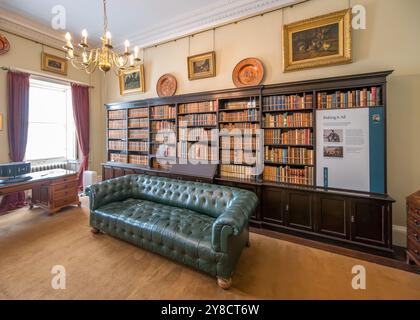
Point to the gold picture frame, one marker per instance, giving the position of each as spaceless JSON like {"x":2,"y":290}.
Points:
{"x":321,"y":41}
{"x":54,"y":64}
{"x":1,"y":121}
{"x":132,"y":81}
{"x":202,"y":66}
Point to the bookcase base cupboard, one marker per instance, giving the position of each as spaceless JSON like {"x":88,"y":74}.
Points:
{"x":323,"y":146}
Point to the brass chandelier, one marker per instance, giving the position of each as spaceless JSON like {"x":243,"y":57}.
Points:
{"x":105,"y":57}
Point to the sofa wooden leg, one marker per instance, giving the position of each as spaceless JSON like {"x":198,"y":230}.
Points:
{"x":248,"y":244}
{"x":224,"y":283}
{"x":95,"y":231}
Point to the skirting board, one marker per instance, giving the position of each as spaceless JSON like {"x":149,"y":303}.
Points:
{"x":399,"y":235}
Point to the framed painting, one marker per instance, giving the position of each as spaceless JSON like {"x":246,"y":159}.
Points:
{"x":202,"y":66}
{"x":132,"y":81}
{"x":316,"y":42}
{"x":54,"y":64}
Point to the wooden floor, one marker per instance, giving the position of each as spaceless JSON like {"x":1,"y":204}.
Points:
{"x":100,"y":267}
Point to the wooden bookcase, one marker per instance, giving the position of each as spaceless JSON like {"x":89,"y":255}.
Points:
{"x":290,"y":201}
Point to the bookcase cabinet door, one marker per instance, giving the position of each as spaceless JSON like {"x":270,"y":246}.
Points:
{"x":299,"y":210}
{"x":370,"y":223}
{"x":108,"y":173}
{"x":273,"y":203}
{"x":118,"y":172}
{"x":333,"y":216}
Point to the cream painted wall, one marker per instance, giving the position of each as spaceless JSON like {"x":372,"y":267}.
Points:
{"x":25,"y":54}
{"x":390,"y":42}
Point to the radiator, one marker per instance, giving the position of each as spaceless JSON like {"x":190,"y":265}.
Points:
{"x":50,"y":166}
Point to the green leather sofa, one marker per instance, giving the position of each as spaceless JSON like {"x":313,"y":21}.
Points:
{"x":204,"y":226}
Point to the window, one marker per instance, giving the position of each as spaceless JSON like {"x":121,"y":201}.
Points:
{"x":51,"y":134}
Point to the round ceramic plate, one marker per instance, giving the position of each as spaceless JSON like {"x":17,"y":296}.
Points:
{"x":248,"y":72}
{"x":166,"y":85}
{"x":4,"y":45}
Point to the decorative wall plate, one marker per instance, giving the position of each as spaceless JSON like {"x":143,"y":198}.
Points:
{"x":4,"y":45}
{"x":248,"y":72}
{"x":166,"y":85}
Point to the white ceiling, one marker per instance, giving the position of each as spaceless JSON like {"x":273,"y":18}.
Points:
{"x":143,"y":22}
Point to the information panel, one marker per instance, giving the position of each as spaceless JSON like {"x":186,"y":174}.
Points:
{"x":343,"y":149}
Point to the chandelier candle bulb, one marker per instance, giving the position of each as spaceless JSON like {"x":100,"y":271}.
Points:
{"x":84,"y":38}
{"x":108,"y":38}
{"x":69,"y":45}
{"x":127,"y":47}
{"x":136,"y":52}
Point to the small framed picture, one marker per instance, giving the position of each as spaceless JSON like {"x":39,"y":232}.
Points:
{"x":54,"y":64}
{"x":202,"y":66}
{"x":132,"y":81}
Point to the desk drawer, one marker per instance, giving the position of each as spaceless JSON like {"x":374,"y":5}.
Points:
{"x":65,"y":201}
{"x":58,"y":195}
{"x":64,"y":180}
{"x":65,"y":186}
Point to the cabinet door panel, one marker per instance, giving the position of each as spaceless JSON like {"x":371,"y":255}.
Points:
{"x":299,"y":210}
{"x":108,"y":173}
{"x":369,"y":223}
{"x":273,"y":206}
{"x":118,"y":172}
{"x":332,"y":216}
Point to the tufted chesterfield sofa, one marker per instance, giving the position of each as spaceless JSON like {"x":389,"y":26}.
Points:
{"x":201,"y":225}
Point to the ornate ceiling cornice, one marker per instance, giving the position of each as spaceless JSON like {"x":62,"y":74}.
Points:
{"x":216,"y":14}
{"x":18,"y":25}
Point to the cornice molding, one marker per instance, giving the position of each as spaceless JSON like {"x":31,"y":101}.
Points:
{"x":216,"y":14}
{"x":18,"y":25}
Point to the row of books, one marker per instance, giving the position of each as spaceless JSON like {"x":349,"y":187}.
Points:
{"x":164,"y":151}
{"x":236,"y":171}
{"x":163,"y":112}
{"x":138,"y":123}
{"x":239,"y":143}
{"x":290,"y":102}
{"x":138,"y":113}
{"x":231,"y":126}
{"x":207,"y":106}
{"x":117,"y":145}
{"x":247,"y":115}
{"x":198,"y":120}
{"x":292,"y":137}
{"x":117,"y":114}
{"x":196,"y":134}
{"x":163,"y":138}
{"x":163,"y":126}
{"x":117,"y":134}
{"x":197,"y":152}
{"x":287,"y":174}
{"x":367,"y":97}
{"x":117,"y":157}
{"x":142,"y":146}
{"x":117,"y":124}
{"x":242,"y":104}
{"x":288,"y":120}
{"x":138,"y":134}
{"x":239,"y":157}
{"x":289,"y":155}
{"x":138,"y":160}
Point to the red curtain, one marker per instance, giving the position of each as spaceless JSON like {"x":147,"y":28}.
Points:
{"x":80,"y":95}
{"x":17,"y":130}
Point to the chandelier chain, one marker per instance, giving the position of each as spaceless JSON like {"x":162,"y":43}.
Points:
{"x":105,"y":18}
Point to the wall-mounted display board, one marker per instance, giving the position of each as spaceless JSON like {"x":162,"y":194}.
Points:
{"x":322,"y":149}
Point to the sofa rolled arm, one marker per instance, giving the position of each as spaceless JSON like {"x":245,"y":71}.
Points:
{"x":233,"y":220}
{"x":109,"y":191}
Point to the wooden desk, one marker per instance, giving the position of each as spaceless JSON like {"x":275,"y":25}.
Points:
{"x":52,"y":190}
